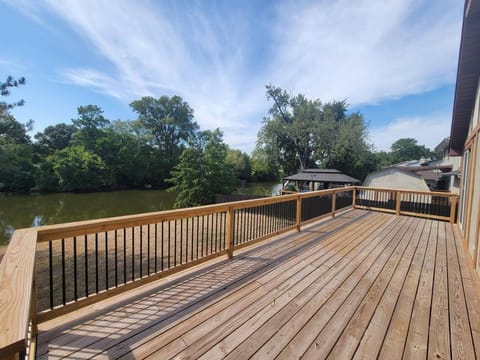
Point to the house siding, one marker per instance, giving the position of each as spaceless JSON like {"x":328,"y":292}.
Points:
{"x":470,"y":201}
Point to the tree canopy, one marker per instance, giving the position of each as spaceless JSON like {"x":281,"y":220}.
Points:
{"x":408,"y":149}
{"x":302,"y":133}
{"x":164,"y":147}
{"x":203,"y":171}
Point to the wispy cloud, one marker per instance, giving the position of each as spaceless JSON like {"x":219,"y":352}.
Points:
{"x":364,"y":52}
{"x":429,"y":130}
{"x":367,"y":51}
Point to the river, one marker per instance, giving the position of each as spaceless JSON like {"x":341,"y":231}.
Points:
{"x":20,"y":211}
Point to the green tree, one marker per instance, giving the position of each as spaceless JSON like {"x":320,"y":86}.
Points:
{"x":169,"y":120}
{"x":90,"y":125}
{"x":53,"y":138}
{"x":17,"y":172}
{"x":202,"y":171}
{"x":5,"y":91}
{"x":303,"y":133}
{"x":265,"y":166}
{"x":289,"y":129}
{"x":78,"y":169}
{"x":408,"y":149}
{"x":350,"y":153}
{"x":240,"y":163}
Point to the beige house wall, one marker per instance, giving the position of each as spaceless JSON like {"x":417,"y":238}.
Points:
{"x":395,"y":179}
{"x":470,"y":194}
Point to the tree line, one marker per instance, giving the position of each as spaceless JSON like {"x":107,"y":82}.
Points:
{"x":164,"y":147}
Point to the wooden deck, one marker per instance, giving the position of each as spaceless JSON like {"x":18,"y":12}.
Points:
{"x":362,"y":285}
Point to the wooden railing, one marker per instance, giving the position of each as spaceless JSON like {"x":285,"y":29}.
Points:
{"x":77,"y":264}
{"x":427,"y":204}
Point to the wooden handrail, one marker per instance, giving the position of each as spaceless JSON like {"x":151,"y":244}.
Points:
{"x":17,"y":271}
{"x":419,"y":192}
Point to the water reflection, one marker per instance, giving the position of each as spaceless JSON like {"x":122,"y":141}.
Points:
{"x":20,"y":211}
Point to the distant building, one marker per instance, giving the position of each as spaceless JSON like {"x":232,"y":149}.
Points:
{"x":317,"y":179}
{"x":425,"y":174}
{"x":396,"y":178}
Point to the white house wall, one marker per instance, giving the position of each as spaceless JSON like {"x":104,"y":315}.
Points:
{"x":395,"y":179}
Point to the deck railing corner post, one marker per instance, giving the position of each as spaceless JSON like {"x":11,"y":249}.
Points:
{"x":453,"y":206}
{"x":299,"y":212}
{"x":229,"y":232}
{"x":354,"y":196}
{"x":334,"y":202}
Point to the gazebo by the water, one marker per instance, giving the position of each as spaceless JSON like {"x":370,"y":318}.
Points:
{"x":317,"y":179}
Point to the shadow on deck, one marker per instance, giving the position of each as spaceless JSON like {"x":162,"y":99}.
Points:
{"x":363,"y":284}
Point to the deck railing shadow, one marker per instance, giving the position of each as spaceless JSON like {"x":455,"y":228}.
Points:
{"x":68,"y":266}
{"x":188,"y":293}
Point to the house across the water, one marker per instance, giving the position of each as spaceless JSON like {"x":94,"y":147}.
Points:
{"x":316,"y":179}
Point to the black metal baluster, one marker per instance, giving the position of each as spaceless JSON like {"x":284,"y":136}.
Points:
{"x":156,"y":247}
{"x":116,"y":259}
{"x":175,"y":245}
{"x":180,"y":256}
{"x":86,"y":264}
{"x":211,"y":232}
{"x":133,"y":253}
{"x":198,"y":232}
{"x":225,"y":230}
{"x":193,"y":225}
{"x":96,"y":263}
{"x":169,"y":225}
{"x":216,"y":232}
{"x":124,"y":255}
{"x":141,"y":251}
{"x":106,"y":260}
{"x":148,"y":249}
{"x":64,"y":295}
{"x":246,"y":226}
{"x":50,"y":269}
{"x":205,"y":242}
{"x":75,"y":273}
{"x":162,"y":248}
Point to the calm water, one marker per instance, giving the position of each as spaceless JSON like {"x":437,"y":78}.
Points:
{"x":20,"y":211}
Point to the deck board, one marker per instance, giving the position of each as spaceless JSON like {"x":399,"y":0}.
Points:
{"x":362,"y":285}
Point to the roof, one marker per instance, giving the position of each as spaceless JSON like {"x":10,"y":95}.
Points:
{"x":401,"y":169}
{"x":425,"y":168}
{"x":468,"y":73}
{"x":323,"y":175}
{"x":429,"y":174}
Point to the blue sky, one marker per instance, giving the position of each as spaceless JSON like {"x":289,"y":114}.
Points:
{"x":394,"y":61}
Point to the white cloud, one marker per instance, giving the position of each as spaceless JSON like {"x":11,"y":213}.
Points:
{"x":428,"y":130}
{"x":362,"y":51}
{"x":368,"y":50}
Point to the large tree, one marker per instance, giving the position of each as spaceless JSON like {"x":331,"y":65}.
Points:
{"x":302,"y":133}
{"x":17,"y":172}
{"x":289,"y":129}
{"x":170,"y":121}
{"x":78,"y":169}
{"x":202,"y":171}
{"x":54,"y":138}
{"x":408,"y":149}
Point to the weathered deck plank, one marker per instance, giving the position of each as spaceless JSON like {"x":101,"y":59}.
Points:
{"x":357,"y":286}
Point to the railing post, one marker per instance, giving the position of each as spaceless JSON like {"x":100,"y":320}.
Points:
{"x":334,"y":202}
{"x":354,"y":200}
{"x":299,"y":212}
{"x":230,"y":220}
{"x":397,"y":202}
{"x":453,"y":205}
